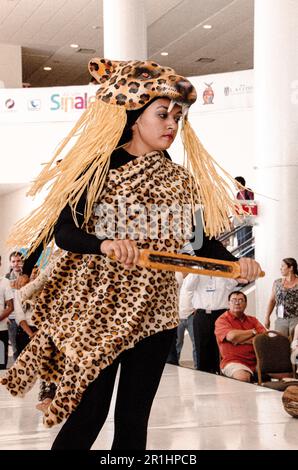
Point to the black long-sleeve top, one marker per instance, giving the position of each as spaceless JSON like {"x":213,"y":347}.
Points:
{"x":69,"y":237}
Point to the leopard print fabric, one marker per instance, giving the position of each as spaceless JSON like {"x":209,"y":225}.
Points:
{"x":91,"y":310}
{"x":134,"y":83}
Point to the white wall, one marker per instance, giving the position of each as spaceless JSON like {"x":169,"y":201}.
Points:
{"x":24,"y":147}
{"x":225,"y":126}
{"x":228,"y":137}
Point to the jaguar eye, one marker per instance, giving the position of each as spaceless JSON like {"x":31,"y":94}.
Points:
{"x":145,"y":75}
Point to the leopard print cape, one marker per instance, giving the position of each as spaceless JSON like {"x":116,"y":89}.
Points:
{"x":92,"y":308}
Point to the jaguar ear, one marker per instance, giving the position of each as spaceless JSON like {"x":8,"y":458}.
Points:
{"x":101,"y":69}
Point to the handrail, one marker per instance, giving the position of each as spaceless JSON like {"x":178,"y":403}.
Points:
{"x":246,"y":247}
{"x":232,"y":232}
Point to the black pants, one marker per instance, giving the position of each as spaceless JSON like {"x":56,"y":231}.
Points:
{"x":141,"y":370}
{"x":3,"y":349}
{"x":173,"y":355}
{"x":205,"y":340}
{"x":22,"y":339}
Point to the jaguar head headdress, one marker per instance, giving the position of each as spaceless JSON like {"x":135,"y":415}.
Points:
{"x":133,"y":84}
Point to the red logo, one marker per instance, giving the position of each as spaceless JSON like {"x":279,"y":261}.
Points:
{"x":208,"y":94}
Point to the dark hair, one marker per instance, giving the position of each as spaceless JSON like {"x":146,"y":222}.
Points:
{"x":15,"y":253}
{"x":237,"y":292}
{"x":240,"y":180}
{"x":291,"y":263}
{"x":132,"y":116}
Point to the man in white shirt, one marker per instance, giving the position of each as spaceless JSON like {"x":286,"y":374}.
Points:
{"x":208,"y":297}
{"x":186,"y":312}
{"x":186,"y":315}
{"x":16,"y":267}
{"x":6,"y":307}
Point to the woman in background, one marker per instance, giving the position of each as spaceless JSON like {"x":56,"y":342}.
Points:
{"x":284,"y":297}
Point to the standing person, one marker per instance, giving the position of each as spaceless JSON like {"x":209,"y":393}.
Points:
{"x":285,"y":297}
{"x":186,"y":315}
{"x":116,"y":312}
{"x":209,"y":300}
{"x":234,"y":331}
{"x":173,"y":352}
{"x":244,"y":194}
{"x":25,"y":298}
{"x":6,"y":307}
{"x":23,"y":313}
{"x":186,"y":311}
{"x":16,"y":266}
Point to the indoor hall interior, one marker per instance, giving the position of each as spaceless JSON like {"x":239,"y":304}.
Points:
{"x":239,"y":55}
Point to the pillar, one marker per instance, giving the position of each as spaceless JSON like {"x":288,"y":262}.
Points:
{"x":276,"y":139}
{"x":125,"y":30}
{"x":10,"y":66}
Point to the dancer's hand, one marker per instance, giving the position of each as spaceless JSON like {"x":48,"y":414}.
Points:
{"x":124,"y":251}
{"x":249,"y":270}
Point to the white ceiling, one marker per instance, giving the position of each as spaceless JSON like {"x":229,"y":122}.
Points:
{"x":46,"y":28}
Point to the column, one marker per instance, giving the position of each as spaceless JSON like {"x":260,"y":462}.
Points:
{"x":10,"y":66}
{"x":276,"y":139}
{"x":125,"y":30}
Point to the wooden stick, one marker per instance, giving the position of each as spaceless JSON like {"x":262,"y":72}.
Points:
{"x":190,"y":264}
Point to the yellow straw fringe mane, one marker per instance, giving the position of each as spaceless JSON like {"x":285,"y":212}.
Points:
{"x":215,"y":193}
{"x":85,"y":167}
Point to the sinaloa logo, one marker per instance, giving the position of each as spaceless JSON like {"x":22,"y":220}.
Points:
{"x":69,"y":103}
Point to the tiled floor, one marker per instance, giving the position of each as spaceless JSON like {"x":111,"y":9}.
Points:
{"x":192,"y":410}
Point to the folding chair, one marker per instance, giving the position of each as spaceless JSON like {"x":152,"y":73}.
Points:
{"x":273,"y":353}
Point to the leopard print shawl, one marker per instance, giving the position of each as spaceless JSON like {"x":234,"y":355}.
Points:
{"x":92,"y":308}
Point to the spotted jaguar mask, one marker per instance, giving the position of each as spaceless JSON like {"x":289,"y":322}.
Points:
{"x":133,"y":84}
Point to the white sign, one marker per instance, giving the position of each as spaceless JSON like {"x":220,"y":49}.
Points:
{"x":45,"y":104}
{"x":223,"y":91}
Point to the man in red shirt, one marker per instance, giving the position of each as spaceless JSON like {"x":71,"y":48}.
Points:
{"x":234,"y":333}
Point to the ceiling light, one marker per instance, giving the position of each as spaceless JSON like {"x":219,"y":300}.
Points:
{"x":47,"y":68}
{"x":75,"y":46}
{"x":164,"y":53}
{"x":205,"y":60}
{"x":85,"y":50}
{"x":207,"y":26}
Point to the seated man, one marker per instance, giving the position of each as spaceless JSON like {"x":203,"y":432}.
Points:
{"x":234,"y":333}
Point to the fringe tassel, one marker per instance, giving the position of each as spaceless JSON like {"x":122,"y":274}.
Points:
{"x":215,"y":195}
{"x":84,"y":167}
